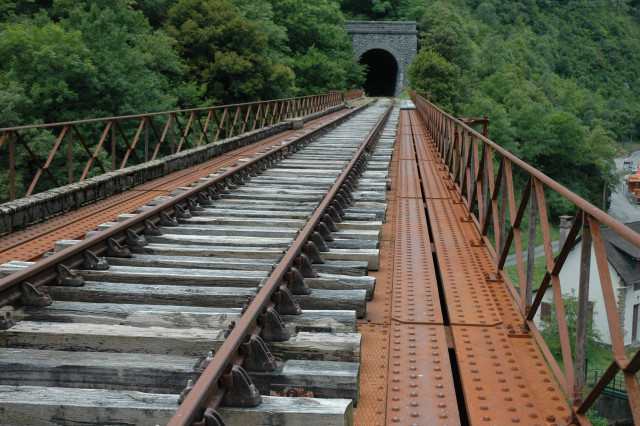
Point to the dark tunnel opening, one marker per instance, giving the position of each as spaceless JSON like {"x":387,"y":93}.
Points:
{"x":382,"y":71}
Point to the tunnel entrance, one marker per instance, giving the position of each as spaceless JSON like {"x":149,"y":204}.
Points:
{"x":382,"y":71}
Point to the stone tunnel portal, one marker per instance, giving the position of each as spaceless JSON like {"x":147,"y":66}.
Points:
{"x":382,"y":72}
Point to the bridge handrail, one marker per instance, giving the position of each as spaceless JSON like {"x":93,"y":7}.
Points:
{"x":468,"y":157}
{"x":221,"y":122}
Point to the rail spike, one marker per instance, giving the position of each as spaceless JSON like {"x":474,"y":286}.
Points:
{"x":241,"y":392}
{"x":151,"y":229}
{"x":67,"y":278}
{"x":196,"y":206}
{"x":182,"y":213}
{"x":312,"y":252}
{"x":257,"y":355}
{"x":329,"y":223}
{"x":273,"y":329}
{"x":319,"y":242}
{"x":134,"y":240}
{"x":166,"y":220}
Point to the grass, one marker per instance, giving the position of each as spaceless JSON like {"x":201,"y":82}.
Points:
{"x":539,"y":269}
{"x":554,"y":233}
{"x":404,"y":94}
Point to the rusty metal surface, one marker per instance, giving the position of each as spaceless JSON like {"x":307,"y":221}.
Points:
{"x":483,"y":175}
{"x":501,"y":370}
{"x":421,"y":389}
{"x":31,"y":243}
{"x":415,"y":289}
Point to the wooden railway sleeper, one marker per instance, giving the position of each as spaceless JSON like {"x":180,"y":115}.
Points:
{"x":93,"y":262}
{"x":67,"y":278}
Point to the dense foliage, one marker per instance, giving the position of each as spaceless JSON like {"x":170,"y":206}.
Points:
{"x":558,"y":79}
{"x":69,"y":60}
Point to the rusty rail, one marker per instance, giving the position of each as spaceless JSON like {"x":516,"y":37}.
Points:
{"x":205,"y":392}
{"x":130,"y":139}
{"x":471,"y":160}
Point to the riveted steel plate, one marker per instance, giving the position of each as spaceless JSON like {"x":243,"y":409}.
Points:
{"x":421,"y":389}
{"x":415,"y":289}
{"x":468,"y":298}
{"x":496,"y":377}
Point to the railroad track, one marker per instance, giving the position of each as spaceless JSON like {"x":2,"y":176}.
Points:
{"x":245,"y":288}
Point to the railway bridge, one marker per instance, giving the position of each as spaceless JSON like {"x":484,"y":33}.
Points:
{"x":321,"y":260}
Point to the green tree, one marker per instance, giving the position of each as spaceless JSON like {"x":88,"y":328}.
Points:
{"x":430,"y":72}
{"x":226,"y":52}
{"x":550,"y":331}
{"x":318,"y":38}
{"x":442,"y":30}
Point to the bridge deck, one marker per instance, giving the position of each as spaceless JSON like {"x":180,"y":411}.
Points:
{"x":439,"y":344}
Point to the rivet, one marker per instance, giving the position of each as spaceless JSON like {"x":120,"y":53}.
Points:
{"x":484,"y":407}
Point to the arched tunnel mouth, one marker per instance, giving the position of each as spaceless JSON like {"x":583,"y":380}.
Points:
{"x":382,"y":71}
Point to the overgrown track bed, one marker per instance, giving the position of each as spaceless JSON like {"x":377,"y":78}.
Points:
{"x":122,"y":346}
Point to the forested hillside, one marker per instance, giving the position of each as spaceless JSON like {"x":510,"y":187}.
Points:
{"x":70,"y":60}
{"x":558,"y":79}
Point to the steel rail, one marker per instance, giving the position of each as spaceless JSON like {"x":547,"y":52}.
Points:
{"x":44,"y":271}
{"x":206,"y":386}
